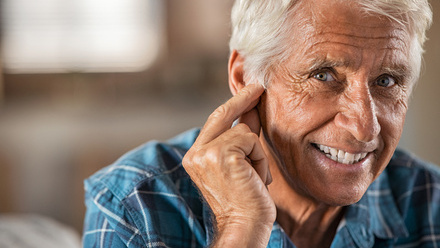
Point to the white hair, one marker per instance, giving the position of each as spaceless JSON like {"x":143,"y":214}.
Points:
{"x":260,"y":36}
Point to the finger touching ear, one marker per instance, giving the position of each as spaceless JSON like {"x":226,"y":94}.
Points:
{"x":236,"y":72}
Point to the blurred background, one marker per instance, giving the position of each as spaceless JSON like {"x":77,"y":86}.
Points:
{"x":82,"y":82}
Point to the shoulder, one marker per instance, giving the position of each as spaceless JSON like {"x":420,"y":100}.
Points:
{"x":145,"y":162}
{"x":409,"y":174}
{"x":411,"y":179}
{"x":405,"y":159}
{"x":146,"y":196}
{"x":415,"y":185}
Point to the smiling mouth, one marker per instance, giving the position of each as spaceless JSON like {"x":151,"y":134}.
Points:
{"x":340,"y":156}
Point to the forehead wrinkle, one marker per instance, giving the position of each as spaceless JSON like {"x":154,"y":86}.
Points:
{"x":332,"y":42}
{"x":345,"y":61}
{"x":393,"y":35}
{"x":349,"y":33}
{"x":316,"y":43}
{"x":396,"y":28}
{"x":392,"y":41}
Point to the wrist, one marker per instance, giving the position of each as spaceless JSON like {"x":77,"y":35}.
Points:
{"x":240,"y":232}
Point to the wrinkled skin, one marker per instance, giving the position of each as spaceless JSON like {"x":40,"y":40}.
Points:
{"x":333,"y":91}
{"x":346,"y":85}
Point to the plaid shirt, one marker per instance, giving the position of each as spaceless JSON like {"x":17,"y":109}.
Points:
{"x":146,"y":199}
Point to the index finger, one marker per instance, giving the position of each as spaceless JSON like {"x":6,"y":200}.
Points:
{"x":223,"y":117}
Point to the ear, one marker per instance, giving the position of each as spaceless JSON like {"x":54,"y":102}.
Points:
{"x":236,"y":73}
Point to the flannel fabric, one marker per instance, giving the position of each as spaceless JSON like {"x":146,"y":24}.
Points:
{"x":146,"y":199}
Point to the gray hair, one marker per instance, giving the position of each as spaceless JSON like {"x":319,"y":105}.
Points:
{"x":259,"y":35}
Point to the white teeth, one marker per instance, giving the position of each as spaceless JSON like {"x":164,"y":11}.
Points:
{"x":333,"y":152}
{"x":342,"y":156}
{"x":349,"y":158}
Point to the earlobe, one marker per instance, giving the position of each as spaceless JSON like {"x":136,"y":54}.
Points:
{"x":236,"y":72}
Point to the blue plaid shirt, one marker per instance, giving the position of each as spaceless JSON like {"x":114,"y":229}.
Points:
{"x":146,"y":199}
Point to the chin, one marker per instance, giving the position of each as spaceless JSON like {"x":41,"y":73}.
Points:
{"x":344,"y":200}
{"x":339,"y":200}
{"x":343,"y":195}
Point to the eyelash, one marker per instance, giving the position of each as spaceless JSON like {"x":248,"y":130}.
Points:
{"x":330,"y":71}
{"x":393,"y":79}
{"x":323,"y":70}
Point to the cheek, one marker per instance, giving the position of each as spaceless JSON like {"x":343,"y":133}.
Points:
{"x":288,"y":114}
{"x":392,"y":119}
{"x":296,"y":110}
{"x":284,"y":111}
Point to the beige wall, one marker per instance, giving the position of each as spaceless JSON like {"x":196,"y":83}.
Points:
{"x":422,"y":129}
{"x":58,"y":129}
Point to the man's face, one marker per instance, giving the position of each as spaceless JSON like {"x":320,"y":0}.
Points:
{"x":334,"y":112}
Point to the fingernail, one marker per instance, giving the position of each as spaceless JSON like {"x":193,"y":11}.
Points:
{"x":269,"y":178}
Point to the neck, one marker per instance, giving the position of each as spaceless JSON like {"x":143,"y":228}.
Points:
{"x":308,"y":225}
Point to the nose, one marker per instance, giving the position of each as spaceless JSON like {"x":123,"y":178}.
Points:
{"x":358,"y":113}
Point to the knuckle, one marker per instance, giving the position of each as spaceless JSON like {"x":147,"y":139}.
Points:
{"x":201,"y":158}
{"x":212,"y":156}
{"x":221,"y":112}
{"x":187,"y":160}
{"x":193,"y":164}
{"x":245,"y":92}
{"x":191,"y":158}
{"x":226,"y":111}
{"x":234,"y":160}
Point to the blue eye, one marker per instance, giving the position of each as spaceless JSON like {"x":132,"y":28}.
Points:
{"x":385,"y":81}
{"x":324,"y":76}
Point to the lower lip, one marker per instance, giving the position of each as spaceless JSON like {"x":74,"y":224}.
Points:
{"x":328,"y":163}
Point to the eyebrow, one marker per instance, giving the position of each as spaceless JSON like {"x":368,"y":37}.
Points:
{"x":398,"y":70}
{"x":320,"y":62}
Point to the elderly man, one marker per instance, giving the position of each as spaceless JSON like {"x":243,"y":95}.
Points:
{"x":304,"y":153}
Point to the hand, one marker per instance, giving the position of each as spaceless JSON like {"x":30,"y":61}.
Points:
{"x":230,"y":168}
